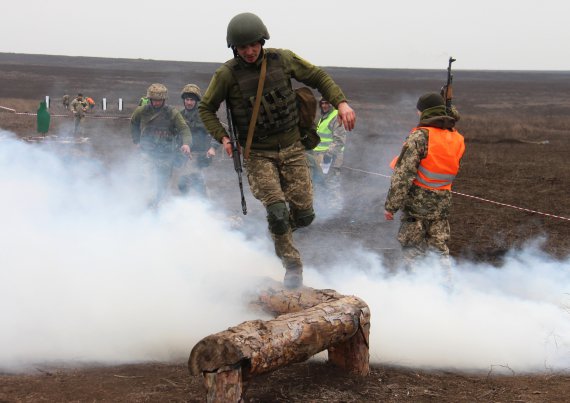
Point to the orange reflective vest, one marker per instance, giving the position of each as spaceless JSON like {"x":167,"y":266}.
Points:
{"x":439,"y":168}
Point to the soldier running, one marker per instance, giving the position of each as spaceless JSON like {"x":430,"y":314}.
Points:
{"x":162,"y":135}
{"x":277,"y":169}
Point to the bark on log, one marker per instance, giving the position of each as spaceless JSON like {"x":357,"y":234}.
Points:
{"x":276,"y":300}
{"x":263,"y":346}
{"x":351,"y":355}
{"x":225,"y":385}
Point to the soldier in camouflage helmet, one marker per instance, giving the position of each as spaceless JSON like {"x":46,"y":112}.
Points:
{"x":421,"y":182}
{"x":277,"y":169}
{"x":203,"y":145}
{"x":164,"y":139}
{"x":78,"y":108}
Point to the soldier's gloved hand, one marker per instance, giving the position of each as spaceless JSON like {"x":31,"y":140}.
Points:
{"x":388,"y":216}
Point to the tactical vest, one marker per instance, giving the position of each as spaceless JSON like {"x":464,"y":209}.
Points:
{"x":278,"y":109}
{"x":439,"y":168}
{"x":158,"y":133}
{"x":325,"y":132}
{"x":201,"y":140}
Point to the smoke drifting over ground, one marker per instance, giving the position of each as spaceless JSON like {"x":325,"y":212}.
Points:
{"x":88,"y":274}
{"x":516,"y":316}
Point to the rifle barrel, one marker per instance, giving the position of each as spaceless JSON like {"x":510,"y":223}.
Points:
{"x":236,"y":157}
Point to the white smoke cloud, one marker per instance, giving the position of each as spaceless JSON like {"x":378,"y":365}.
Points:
{"x":516,"y":316}
{"x":88,"y":274}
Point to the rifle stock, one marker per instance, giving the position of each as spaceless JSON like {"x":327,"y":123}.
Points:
{"x":236,"y":157}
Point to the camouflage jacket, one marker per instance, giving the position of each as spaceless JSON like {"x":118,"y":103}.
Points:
{"x":159,"y":127}
{"x":78,"y":107}
{"x":224,"y":86}
{"x":201,"y":139}
{"x":404,"y":194}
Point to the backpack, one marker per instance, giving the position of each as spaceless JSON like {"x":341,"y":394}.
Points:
{"x":307,"y":107}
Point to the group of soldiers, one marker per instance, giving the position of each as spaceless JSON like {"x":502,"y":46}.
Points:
{"x":172,"y":143}
{"x":256,"y":86}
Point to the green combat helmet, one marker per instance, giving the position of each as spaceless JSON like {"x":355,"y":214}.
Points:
{"x":246,"y":28}
{"x":191,"y":89}
{"x":157,"y":91}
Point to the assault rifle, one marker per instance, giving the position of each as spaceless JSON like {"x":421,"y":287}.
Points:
{"x":447,"y":89}
{"x":235,"y":156}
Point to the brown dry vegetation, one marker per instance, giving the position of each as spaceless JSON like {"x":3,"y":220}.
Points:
{"x":516,"y":125}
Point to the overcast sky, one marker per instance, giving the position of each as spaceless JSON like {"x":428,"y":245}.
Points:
{"x":484,"y":34}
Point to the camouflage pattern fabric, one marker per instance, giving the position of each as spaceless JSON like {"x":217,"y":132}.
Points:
{"x":160,"y":134}
{"x":78,"y":107}
{"x":424,"y":225}
{"x":282,"y":176}
{"x":190,"y":176}
{"x":417,"y":235}
{"x":201,"y":139}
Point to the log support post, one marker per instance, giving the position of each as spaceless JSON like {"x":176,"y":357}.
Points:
{"x":353,"y":354}
{"x":224,"y":385}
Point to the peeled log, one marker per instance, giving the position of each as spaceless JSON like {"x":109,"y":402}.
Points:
{"x":263,"y":346}
{"x":276,"y":300}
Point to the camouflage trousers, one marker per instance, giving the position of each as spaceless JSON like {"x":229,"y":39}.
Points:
{"x":190,"y":177}
{"x":327,"y":187}
{"x":77,"y":122}
{"x":160,"y":170}
{"x":417,"y":236}
{"x":282,"y":176}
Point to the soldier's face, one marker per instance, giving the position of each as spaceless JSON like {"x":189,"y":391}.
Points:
{"x":189,"y":103}
{"x":157,"y":103}
{"x":249,"y":53}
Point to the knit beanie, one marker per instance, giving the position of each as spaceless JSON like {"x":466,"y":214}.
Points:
{"x":429,"y":100}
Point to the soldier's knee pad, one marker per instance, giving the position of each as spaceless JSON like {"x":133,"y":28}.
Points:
{"x":278,"y":218}
{"x":303,"y":218}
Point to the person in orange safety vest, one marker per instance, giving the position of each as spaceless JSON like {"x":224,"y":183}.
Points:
{"x":421,"y":183}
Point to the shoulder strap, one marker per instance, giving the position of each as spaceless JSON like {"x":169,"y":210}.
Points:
{"x":253,"y":120}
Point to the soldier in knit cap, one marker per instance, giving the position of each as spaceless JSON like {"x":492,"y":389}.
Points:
{"x":421,"y":183}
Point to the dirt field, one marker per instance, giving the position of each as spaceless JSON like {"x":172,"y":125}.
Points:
{"x":516,"y":125}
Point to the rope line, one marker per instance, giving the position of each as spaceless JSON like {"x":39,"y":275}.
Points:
{"x":474,"y":197}
{"x":345,"y":167}
{"x":68,"y":116}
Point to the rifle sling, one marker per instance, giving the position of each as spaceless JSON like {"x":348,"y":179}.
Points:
{"x":253,"y":120}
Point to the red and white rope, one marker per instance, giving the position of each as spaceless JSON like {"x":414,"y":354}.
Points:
{"x":475,"y":197}
{"x":345,"y":167}
{"x":69,"y":116}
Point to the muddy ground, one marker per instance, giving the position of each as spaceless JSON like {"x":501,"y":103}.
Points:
{"x":516,"y":126}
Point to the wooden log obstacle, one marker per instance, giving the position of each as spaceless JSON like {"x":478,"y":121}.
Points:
{"x":306,"y":322}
